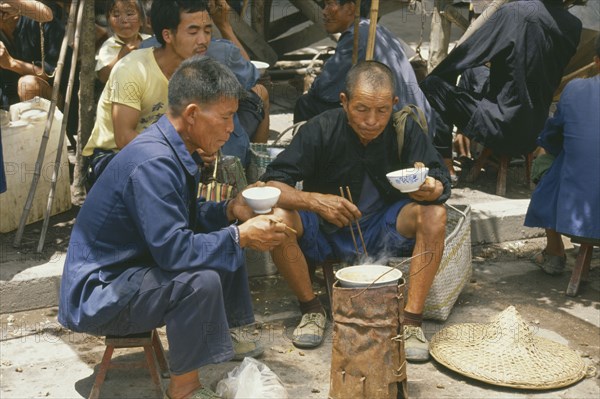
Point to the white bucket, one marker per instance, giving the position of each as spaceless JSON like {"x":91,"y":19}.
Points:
{"x":21,"y":139}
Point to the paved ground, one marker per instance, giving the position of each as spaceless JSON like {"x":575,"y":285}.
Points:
{"x":38,"y":358}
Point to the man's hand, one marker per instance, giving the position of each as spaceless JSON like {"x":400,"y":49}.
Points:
{"x":262,"y":233}
{"x":5,"y":57}
{"x":335,"y":209}
{"x":219,"y":11}
{"x":430,"y":190}
{"x":206,"y":158}
{"x":238,"y":209}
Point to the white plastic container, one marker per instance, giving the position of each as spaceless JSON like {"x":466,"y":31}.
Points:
{"x":21,"y":138}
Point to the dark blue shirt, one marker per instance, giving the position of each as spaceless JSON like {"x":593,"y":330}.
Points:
{"x":326,"y":154}
{"x":141,"y":213}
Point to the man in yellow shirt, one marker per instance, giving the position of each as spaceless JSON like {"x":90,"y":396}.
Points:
{"x":135,"y":95}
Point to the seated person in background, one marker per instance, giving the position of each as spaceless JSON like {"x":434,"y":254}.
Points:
{"x":475,"y":80}
{"x":356,"y":146}
{"x":324,"y":94}
{"x":527,"y":44}
{"x":567,"y":198}
{"x":125,"y":19}
{"x":135,"y":95}
{"x":22,"y":73}
{"x":253,"y":111}
{"x":145,"y":252}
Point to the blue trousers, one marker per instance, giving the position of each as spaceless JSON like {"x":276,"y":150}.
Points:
{"x":198,"y":307}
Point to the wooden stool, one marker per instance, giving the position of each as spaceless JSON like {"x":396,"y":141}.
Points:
{"x":502,"y":165}
{"x":582,"y":264}
{"x":155,"y":358}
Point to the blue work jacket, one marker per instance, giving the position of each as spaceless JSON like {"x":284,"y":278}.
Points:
{"x":142,"y":213}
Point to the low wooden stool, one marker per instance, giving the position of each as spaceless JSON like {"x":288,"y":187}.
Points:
{"x":155,"y":358}
{"x":582,"y":264}
{"x":502,"y":165}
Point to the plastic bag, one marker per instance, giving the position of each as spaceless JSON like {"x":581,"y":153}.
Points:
{"x":251,"y":379}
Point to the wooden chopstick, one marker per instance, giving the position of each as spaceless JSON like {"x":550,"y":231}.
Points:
{"x":362,"y":240}
{"x":351,"y":230}
{"x":288,"y":228}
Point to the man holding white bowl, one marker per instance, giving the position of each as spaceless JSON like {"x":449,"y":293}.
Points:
{"x":355,"y":147}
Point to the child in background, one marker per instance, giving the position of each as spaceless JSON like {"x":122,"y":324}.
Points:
{"x":125,"y":18}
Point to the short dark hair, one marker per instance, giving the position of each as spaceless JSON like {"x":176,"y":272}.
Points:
{"x":165,"y":14}
{"x":373,"y":73}
{"x":365,"y":6}
{"x":201,"y":80}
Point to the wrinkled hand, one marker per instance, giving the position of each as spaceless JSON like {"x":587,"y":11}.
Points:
{"x":8,"y":10}
{"x":5,"y":57}
{"x":206,"y":158}
{"x":430,"y":190}
{"x":239,"y":209}
{"x":262,"y":233}
{"x":335,"y":209}
{"x":219,"y":11}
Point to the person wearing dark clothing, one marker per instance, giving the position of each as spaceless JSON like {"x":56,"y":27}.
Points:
{"x":338,"y":16}
{"x":527,"y":43}
{"x":355,"y":147}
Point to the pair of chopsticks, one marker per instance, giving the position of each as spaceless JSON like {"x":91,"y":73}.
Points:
{"x":362,"y":240}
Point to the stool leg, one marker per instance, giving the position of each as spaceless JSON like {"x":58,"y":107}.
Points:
{"x":151,"y":360}
{"x":501,"y":179}
{"x":329,"y":280}
{"x":528,"y":162}
{"x":160,"y":355}
{"x":478,"y":165}
{"x":102,"y":370}
{"x":582,"y":267}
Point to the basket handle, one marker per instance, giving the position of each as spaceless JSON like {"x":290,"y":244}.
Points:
{"x":295,"y":128}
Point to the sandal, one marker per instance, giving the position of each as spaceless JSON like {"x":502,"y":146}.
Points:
{"x":550,"y":264}
{"x":200,"y":393}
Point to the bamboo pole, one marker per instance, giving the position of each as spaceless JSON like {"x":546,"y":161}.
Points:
{"x":372,"y":29}
{"x":42,"y":152}
{"x":63,"y":127}
{"x":356,"y":32}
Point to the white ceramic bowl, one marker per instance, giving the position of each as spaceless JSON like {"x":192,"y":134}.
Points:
{"x":261,"y":66}
{"x":261,"y":199}
{"x":364,"y":275}
{"x":407,"y":180}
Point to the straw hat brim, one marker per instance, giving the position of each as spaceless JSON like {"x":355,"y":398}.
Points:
{"x":527,"y":362}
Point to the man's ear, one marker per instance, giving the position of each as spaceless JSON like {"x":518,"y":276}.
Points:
{"x":189,"y":113}
{"x":350,"y":7}
{"x":166,"y":34}
{"x":344,"y":100}
{"x":395,"y":100}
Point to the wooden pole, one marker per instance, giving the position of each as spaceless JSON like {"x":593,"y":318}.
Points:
{"x":356,"y":32}
{"x":372,"y":29}
{"x":63,"y":127}
{"x":87,"y":107}
{"x":42,"y":152}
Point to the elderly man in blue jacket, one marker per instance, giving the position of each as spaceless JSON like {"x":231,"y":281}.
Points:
{"x":145,"y":252}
